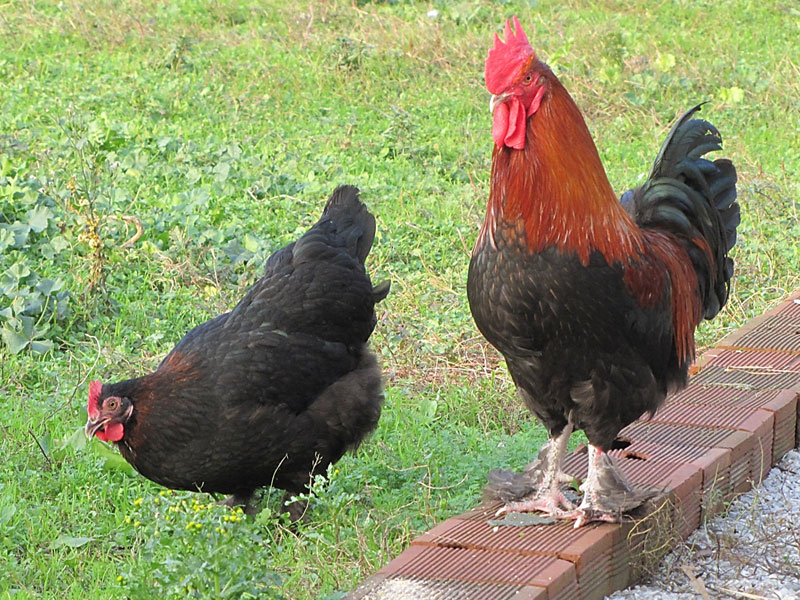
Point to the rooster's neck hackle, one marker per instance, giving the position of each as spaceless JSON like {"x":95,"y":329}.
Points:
{"x":556,"y":188}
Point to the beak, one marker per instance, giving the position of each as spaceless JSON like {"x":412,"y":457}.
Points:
{"x":92,"y":427}
{"x":496,"y":100}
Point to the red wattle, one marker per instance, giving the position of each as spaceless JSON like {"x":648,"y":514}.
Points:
{"x":500,"y":124}
{"x":517,"y":120}
{"x":112,"y":432}
{"x":509,"y":125}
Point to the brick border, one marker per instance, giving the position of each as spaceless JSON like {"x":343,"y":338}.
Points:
{"x":714,"y":440}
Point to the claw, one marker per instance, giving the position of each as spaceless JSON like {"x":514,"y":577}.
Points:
{"x":547,"y":497}
{"x":584,"y":516}
{"x":606,"y":493}
{"x":551,"y":502}
{"x":564,"y":477}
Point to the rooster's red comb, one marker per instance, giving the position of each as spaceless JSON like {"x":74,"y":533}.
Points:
{"x":506,"y":59}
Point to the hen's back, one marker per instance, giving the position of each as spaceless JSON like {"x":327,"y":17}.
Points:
{"x":258,"y":395}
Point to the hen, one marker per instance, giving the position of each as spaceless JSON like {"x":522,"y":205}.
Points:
{"x":593,"y":302}
{"x":281,"y":385}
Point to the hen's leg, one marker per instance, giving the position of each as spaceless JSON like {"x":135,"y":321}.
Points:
{"x":242,"y":500}
{"x":606,"y":493}
{"x":548,"y":497}
{"x":297,"y":510}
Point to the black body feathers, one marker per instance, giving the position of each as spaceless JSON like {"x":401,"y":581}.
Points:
{"x":280,"y":384}
{"x":600,"y":344}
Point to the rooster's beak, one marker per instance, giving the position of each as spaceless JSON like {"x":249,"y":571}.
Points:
{"x":496,"y":100}
{"x":92,"y":427}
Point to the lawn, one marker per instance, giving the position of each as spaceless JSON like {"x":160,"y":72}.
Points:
{"x":219,"y":128}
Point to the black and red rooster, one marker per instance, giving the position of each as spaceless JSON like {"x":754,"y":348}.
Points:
{"x":592,"y":301}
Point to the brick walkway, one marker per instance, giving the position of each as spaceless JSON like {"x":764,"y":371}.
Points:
{"x":714,"y":440}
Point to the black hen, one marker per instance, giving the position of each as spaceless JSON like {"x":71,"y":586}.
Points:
{"x":271,"y":391}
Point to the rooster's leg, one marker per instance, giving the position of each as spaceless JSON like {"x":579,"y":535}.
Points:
{"x":606,"y":493}
{"x":548,"y":497}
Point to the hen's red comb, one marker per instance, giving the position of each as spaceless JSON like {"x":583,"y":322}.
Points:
{"x":506,"y":58}
{"x":95,"y":388}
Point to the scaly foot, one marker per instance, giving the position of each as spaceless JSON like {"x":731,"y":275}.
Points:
{"x":547,"y":474}
{"x":606,"y":493}
{"x":553,"y":504}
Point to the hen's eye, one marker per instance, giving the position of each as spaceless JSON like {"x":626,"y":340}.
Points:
{"x":111,"y":403}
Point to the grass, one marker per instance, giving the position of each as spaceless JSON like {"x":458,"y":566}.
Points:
{"x":221,"y":127}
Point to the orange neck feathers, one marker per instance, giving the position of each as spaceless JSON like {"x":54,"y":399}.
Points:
{"x":556,"y":188}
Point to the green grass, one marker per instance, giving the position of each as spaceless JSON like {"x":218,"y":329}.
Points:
{"x":222,"y":128}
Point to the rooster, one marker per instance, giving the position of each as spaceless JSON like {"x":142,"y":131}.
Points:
{"x":281,"y":385}
{"x":592,"y":301}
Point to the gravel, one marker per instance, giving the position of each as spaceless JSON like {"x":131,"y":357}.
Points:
{"x":751,"y":552}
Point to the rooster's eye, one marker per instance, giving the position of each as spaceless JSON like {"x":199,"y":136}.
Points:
{"x":528,"y":79}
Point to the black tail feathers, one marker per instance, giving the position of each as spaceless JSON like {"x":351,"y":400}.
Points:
{"x":691,"y":196}
{"x":351,"y":218}
{"x":681,"y":157}
{"x":357,"y":226}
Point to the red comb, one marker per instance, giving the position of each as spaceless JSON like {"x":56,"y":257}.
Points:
{"x":95,"y":388}
{"x":506,"y":58}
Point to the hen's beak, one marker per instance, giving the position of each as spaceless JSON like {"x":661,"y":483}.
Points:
{"x":92,"y":427}
{"x":496,"y":100}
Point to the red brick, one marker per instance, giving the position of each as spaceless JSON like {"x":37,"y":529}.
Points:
{"x":757,"y":421}
{"x":402,"y":560}
{"x":366,"y":587}
{"x":531,"y":593}
{"x":789,"y":308}
{"x":761,"y":425}
{"x":710,"y":395}
{"x":739,"y":414}
{"x":483,"y":566}
{"x":778,"y":334}
{"x":734,"y":336}
{"x":756,"y":359}
{"x":685,"y":486}
{"x":784,"y":408}
{"x":483,"y":512}
{"x":594,"y":541}
{"x":591,"y":554}
{"x":752,"y":378}
{"x":741,"y":444}
{"x":715,"y":464}
{"x":620,"y":573}
{"x":441,"y":534}
{"x":674,"y":434}
{"x":593,"y":582}
{"x":701,"y":415}
{"x":702,"y":360}
{"x":541,"y":540}
{"x":437,"y":588}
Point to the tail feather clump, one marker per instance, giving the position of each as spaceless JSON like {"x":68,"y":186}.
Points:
{"x":354,"y":226}
{"x":352,"y":219}
{"x":694,"y":199}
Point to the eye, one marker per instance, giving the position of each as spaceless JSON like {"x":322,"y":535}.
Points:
{"x":528,"y":79}
{"x":112,"y":403}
